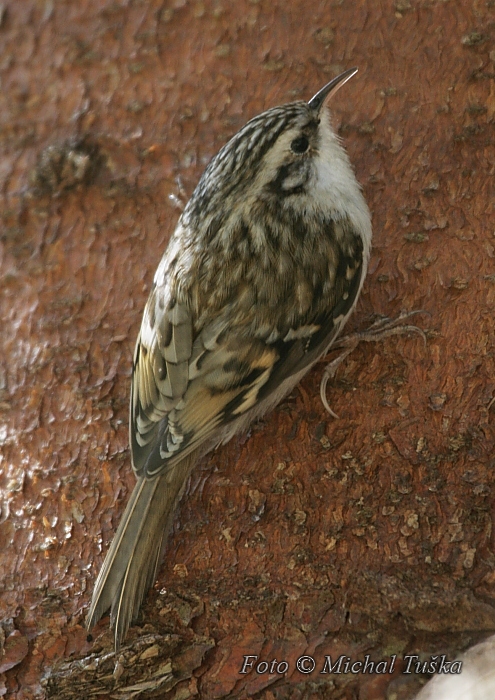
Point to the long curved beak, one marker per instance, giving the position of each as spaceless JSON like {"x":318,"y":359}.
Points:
{"x":330,"y":89}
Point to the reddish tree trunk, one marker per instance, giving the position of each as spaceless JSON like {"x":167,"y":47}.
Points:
{"x":371,"y":534}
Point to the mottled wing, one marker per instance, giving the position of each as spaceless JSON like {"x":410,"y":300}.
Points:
{"x":160,"y":379}
{"x":186,"y":390}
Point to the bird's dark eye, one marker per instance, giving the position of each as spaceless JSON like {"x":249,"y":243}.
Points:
{"x":300,"y":145}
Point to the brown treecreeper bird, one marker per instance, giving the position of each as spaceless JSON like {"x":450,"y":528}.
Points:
{"x":259,"y":277}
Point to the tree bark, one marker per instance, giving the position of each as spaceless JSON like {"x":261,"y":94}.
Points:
{"x":370,"y":534}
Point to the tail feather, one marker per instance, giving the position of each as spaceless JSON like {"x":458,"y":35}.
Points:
{"x":132,"y":561}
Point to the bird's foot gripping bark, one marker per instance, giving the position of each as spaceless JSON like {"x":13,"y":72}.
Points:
{"x":382,"y":328}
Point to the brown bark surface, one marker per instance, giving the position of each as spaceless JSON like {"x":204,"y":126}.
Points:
{"x":371,"y":534}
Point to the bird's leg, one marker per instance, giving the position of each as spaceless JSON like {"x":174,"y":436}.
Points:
{"x":379,"y":330}
{"x":178,"y":200}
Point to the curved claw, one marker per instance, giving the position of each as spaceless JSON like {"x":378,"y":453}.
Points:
{"x":380,"y":329}
{"x":323,"y":394}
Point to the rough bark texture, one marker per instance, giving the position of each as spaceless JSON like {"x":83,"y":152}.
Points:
{"x":371,"y":534}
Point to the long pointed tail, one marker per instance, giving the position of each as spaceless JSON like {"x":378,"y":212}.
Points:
{"x":132,"y":561}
